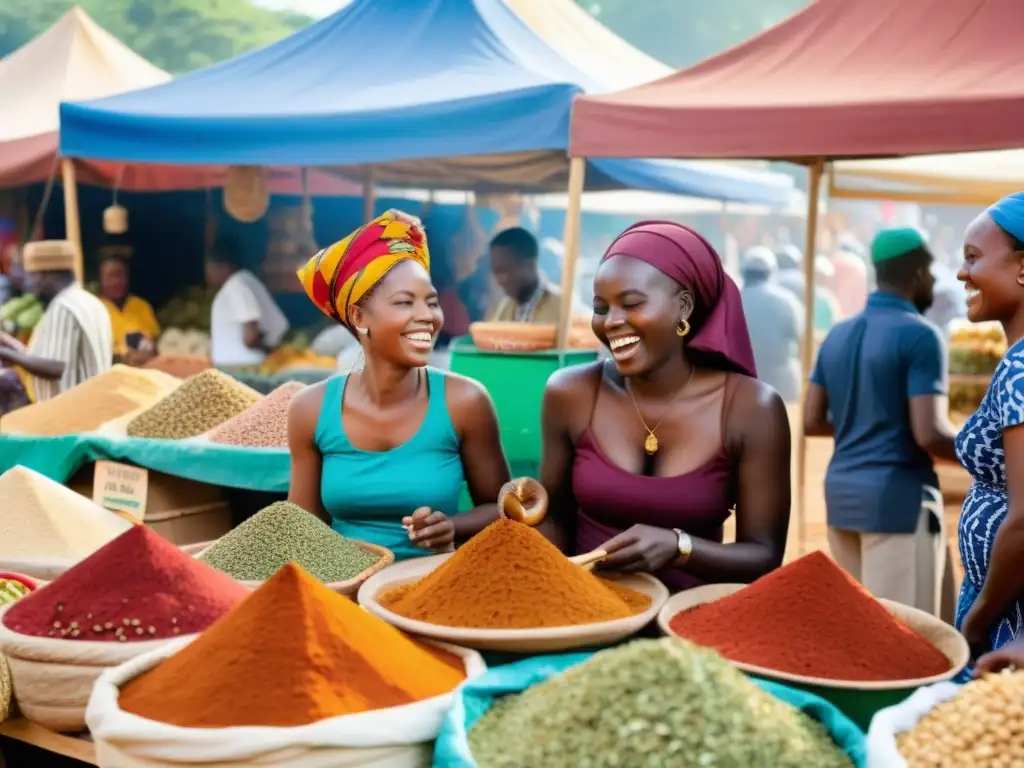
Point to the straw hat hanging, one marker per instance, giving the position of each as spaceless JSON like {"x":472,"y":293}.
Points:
{"x":246,"y":193}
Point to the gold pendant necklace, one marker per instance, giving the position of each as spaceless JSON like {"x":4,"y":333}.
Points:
{"x":651,"y":444}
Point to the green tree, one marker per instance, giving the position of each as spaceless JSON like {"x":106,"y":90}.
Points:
{"x":177,"y":35}
{"x":683,"y":32}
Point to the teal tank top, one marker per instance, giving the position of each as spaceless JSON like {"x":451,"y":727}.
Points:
{"x":367,"y":493}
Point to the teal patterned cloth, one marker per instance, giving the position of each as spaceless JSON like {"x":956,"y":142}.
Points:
{"x":58,"y":458}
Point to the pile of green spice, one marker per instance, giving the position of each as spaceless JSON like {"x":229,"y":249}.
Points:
{"x":285,"y":533}
{"x":649,"y":704}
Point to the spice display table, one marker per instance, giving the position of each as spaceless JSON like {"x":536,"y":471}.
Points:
{"x":22,"y":741}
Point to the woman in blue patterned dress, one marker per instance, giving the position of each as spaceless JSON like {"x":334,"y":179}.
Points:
{"x":990,"y":612}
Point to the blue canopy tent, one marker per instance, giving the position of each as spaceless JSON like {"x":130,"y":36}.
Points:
{"x":457,"y":94}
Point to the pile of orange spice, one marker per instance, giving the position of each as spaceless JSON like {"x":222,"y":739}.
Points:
{"x":509,"y":576}
{"x":292,"y":653}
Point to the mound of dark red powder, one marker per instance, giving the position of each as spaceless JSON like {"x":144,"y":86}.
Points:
{"x":137,"y":587}
{"x":811,"y":618}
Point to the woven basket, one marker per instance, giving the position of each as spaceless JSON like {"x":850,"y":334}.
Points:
{"x":53,"y":678}
{"x":513,"y":337}
{"x":348,"y":588}
{"x":246,"y":194}
{"x":6,"y":689}
{"x":944,"y":637}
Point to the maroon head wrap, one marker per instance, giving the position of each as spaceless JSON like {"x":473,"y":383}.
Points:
{"x":719,"y":334}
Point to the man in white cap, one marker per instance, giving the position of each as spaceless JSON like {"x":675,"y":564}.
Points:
{"x":73,"y":340}
{"x":775,"y":320}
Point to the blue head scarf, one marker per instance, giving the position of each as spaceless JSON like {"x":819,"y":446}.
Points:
{"x":1008,"y":213}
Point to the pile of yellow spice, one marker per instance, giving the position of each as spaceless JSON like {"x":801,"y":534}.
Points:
{"x":118,"y":392}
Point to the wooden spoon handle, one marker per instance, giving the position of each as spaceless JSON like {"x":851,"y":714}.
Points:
{"x":589,"y":559}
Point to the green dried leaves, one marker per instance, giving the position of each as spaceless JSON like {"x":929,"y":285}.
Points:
{"x":651,"y":704}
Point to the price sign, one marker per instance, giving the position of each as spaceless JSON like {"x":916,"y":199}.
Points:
{"x":121,"y":488}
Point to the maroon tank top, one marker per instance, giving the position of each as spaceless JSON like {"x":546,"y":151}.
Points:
{"x":611,"y":499}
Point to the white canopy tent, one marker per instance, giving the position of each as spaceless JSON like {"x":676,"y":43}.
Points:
{"x":967,"y":178}
{"x":587,"y":44}
{"x":73,"y":59}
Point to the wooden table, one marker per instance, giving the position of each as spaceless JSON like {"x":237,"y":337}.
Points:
{"x":22,"y":731}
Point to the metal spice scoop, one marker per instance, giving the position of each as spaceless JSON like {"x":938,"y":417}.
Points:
{"x":525,"y":501}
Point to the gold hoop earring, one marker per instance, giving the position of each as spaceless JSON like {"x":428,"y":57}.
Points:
{"x":683,"y":329}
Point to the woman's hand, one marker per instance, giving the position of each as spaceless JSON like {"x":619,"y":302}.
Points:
{"x":641,"y":548}
{"x":1010,"y":655}
{"x":975,"y":628}
{"x":430,"y":530}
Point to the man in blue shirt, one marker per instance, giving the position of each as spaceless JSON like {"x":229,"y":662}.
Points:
{"x":879,"y":387}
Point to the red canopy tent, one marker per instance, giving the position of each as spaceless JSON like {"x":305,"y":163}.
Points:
{"x":842,"y":78}
{"x":77,"y":59}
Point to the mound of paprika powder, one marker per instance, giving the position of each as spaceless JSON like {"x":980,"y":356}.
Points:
{"x":293,"y":653}
{"x":811,"y":618}
{"x":137,"y":587}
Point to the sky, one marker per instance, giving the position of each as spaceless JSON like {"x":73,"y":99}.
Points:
{"x":315,"y":8}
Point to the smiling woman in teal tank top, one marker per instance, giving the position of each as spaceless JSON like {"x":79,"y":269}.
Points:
{"x":363,"y":490}
{"x":382,"y":453}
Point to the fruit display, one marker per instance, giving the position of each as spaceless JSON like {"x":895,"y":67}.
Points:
{"x":177,"y":342}
{"x":20,"y":315}
{"x":188,"y":310}
{"x":292,"y":356}
{"x":974,"y":352}
{"x":976,"y":348}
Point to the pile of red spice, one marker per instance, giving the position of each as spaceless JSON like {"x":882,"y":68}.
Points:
{"x":137,"y":587}
{"x":811,"y":618}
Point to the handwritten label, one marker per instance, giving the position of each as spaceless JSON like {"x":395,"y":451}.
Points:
{"x":121,"y":488}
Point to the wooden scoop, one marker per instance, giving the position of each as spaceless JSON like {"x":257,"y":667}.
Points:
{"x":588,"y":560}
{"x":523,"y":500}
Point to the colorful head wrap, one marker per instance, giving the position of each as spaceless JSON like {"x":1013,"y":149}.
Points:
{"x":342,"y":274}
{"x":720,"y":332}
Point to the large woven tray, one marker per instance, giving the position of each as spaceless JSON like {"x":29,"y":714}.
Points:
{"x":514,"y":640}
{"x":937,"y":632}
{"x":513,"y":337}
{"x":348,"y":588}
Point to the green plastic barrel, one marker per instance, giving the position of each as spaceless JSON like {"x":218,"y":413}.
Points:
{"x":515,"y":382}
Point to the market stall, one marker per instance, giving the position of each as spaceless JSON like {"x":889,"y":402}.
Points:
{"x":808,"y":90}
{"x":484,"y":108}
{"x":76,"y":59}
{"x":969,"y":178}
{"x":177,"y":643}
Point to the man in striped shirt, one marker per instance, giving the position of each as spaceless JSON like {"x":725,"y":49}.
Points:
{"x":73,"y":340}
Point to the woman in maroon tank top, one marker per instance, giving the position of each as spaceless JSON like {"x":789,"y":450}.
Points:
{"x":648,"y":454}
